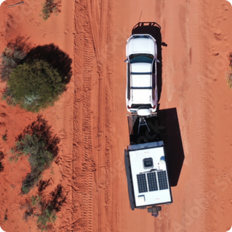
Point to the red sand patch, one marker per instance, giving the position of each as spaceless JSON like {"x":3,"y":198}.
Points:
{"x":90,"y":117}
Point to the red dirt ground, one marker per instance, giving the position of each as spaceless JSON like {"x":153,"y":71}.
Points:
{"x":90,"y":117}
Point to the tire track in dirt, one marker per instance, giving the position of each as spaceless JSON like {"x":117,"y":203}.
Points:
{"x":201,"y":119}
{"x":111,"y":196}
{"x":205,"y":118}
{"x":94,"y":119}
{"x":92,"y":140}
{"x":104,"y":206}
{"x":99,"y":14}
{"x":211,"y":73}
{"x":194,"y":119}
{"x":82,"y":165}
{"x":94,"y":12}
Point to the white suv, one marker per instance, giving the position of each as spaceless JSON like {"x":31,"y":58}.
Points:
{"x":141,"y":91}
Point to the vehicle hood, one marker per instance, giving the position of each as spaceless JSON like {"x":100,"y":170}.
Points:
{"x":140,"y":45}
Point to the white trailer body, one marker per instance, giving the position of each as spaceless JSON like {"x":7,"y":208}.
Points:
{"x":147,"y":172}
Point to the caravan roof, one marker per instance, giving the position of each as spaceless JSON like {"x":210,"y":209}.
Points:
{"x":149,"y":175}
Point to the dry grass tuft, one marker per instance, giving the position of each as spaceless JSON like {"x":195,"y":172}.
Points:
{"x":229,"y":75}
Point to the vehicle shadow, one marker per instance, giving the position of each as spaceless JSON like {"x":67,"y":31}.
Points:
{"x":163,"y":127}
{"x":168,"y":119}
{"x":153,"y":29}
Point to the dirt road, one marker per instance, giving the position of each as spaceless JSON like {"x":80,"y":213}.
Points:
{"x":190,"y":84}
{"x":90,"y":117}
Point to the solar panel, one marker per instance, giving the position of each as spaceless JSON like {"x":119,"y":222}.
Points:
{"x":152,"y":181}
{"x":142,"y":183}
{"x":162,"y":178}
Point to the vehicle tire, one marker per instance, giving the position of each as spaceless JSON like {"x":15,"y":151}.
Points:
{"x":129,"y":182}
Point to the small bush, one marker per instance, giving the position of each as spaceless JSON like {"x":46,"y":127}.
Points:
{"x":25,"y":189}
{"x":49,"y":7}
{"x":40,"y":158}
{"x":230,"y":59}
{"x":44,"y":207}
{"x":30,"y":180}
{"x":12,"y":56}
{"x":35,"y":200}
{"x":4,"y":137}
{"x":1,"y":158}
{"x":229,"y":78}
{"x":48,"y":215}
{"x":40,"y":207}
{"x":6,"y":215}
{"x":8,"y":97}
{"x":229,"y":75}
{"x":35,"y":76}
{"x":34,"y":86}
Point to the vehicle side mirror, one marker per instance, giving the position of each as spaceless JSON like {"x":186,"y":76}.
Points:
{"x":126,"y":60}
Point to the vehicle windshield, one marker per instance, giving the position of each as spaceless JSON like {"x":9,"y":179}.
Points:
{"x":141,"y":58}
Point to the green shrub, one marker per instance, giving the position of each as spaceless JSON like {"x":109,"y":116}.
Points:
{"x":48,"y":215}
{"x":1,"y":158}
{"x":7,"y":96}
{"x":34,"y":86}
{"x":43,"y":210}
{"x":45,"y":207}
{"x":4,"y":137}
{"x":49,"y":7}
{"x":40,"y":158}
{"x":25,"y":189}
{"x":30,"y":180}
{"x":11,"y":57}
{"x":229,"y":75}
{"x":35,"y":200}
{"x":229,"y":78}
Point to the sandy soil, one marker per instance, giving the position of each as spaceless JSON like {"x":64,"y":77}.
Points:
{"x":90,"y":117}
{"x":24,"y":20}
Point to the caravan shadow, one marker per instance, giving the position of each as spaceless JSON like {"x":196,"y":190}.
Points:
{"x":165,"y":127}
